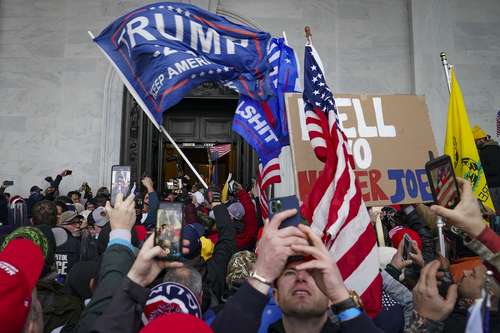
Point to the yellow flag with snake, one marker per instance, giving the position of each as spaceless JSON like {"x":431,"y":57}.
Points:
{"x":461,"y":147}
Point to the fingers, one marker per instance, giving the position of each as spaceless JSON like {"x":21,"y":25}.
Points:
{"x":149,"y":243}
{"x":289,"y":241}
{"x":309,"y":265}
{"x":129,"y":200}
{"x":119,"y":199}
{"x":156,"y":251}
{"x":108,"y":207}
{"x":400,"y":248}
{"x":280,"y":217}
{"x":430,"y":274}
{"x":452,"y":295}
{"x":172,"y":264}
{"x":442,"y":211}
{"x":308,"y":250}
{"x":289,"y":232}
{"x":315,"y":240}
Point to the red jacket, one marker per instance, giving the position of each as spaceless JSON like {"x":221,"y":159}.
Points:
{"x":246,"y":238}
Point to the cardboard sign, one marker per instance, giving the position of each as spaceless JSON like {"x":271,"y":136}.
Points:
{"x":389,"y":136}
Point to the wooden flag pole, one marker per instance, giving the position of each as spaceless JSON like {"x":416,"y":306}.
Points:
{"x":307,"y":30}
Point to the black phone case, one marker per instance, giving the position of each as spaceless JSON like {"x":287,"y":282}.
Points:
{"x":285,"y":203}
{"x":440,"y":161}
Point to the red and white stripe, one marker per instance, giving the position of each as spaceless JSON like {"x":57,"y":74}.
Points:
{"x":336,"y":209}
{"x":316,"y":137}
{"x":220,"y":150}
{"x":263,"y":199}
{"x":337,"y":213}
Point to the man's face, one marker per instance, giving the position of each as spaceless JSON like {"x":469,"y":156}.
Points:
{"x":472,"y":282}
{"x":75,"y":198}
{"x":59,"y":212}
{"x":298,"y":295}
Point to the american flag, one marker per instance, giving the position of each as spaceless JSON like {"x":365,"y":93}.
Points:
{"x":263,"y":200}
{"x":218,"y":151}
{"x":334,"y":206}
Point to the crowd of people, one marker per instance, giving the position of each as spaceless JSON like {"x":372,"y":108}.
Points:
{"x":74,"y":263}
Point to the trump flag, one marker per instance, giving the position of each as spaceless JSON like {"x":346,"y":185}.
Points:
{"x":163,"y":50}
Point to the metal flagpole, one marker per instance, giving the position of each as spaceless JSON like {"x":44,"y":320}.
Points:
{"x":150,"y":116}
{"x":447,"y":68}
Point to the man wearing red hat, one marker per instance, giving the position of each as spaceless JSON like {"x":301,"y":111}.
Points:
{"x":21,"y":263}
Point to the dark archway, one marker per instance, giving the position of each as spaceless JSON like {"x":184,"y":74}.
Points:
{"x":203,"y":118}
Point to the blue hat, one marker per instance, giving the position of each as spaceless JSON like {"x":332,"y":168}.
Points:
{"x":192,"y":232}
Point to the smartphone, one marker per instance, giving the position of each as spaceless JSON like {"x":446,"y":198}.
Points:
{"x":69,"y":172}
{"x":8,"y":183}
{"x":443,"y":183}
{"x":168,"y":229}
{"x":277,"y":205}
{"x":406,"y":246}
{"x":120,"y":181}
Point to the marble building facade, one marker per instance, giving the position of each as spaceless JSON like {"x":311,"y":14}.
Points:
{"x":61,"y":102}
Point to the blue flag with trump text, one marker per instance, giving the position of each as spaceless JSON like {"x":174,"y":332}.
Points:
{"x":164,"y":50}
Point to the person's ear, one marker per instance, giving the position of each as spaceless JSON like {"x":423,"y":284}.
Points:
{"x":92,"y":285}
{"x":275,"y":295}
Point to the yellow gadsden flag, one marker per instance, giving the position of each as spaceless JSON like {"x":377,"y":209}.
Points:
{"x":461,"y":147}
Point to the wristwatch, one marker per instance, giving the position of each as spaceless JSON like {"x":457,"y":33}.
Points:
{"x":354,"y":301}
{"x":255,"y":276}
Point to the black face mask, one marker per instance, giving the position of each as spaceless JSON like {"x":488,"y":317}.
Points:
{"x":239,"y":226}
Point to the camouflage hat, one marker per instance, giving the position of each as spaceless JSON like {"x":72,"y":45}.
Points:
{"x":239,"y":267}
{"x":34,"y":234}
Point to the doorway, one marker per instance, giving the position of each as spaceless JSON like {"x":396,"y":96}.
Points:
{"x":201,"y":120}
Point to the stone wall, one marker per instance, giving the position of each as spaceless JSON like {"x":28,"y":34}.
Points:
{"x":60,"y":102}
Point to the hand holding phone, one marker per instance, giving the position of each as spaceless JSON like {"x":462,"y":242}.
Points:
{"x":406,"y":247}
{"x":168,"y":230}
{"x":443,"y":183}
{"x":120,"y":181}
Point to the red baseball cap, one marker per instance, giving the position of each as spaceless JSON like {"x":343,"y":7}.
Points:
{"x":177,"y":322}
{"x":397,"y":233}
{"x":21,"y":263}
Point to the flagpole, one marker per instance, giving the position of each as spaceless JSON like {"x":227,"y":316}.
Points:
{"x":307,"y":30}
{"x":446,"y":67}
{"x":150,"y":116}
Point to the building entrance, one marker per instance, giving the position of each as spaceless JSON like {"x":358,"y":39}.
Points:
{"x":201,"y":120}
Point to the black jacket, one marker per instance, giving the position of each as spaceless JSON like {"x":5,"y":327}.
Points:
{"x":243,"y":311}
{"x":215,"y":269}
{"x":116,"y":262}
{"x":489,"y":153}
{"x":123,"y":314}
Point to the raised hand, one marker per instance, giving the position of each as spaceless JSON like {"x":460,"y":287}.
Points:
{"x":426,"y":298}
{"x":323,"y":268}
{"x":467,"y":214}
{"x":122,"y":215}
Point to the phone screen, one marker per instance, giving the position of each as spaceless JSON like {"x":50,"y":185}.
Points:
{"x":443,"y":183}
{"x":120,"y":181}
{"x":168,"y":229}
